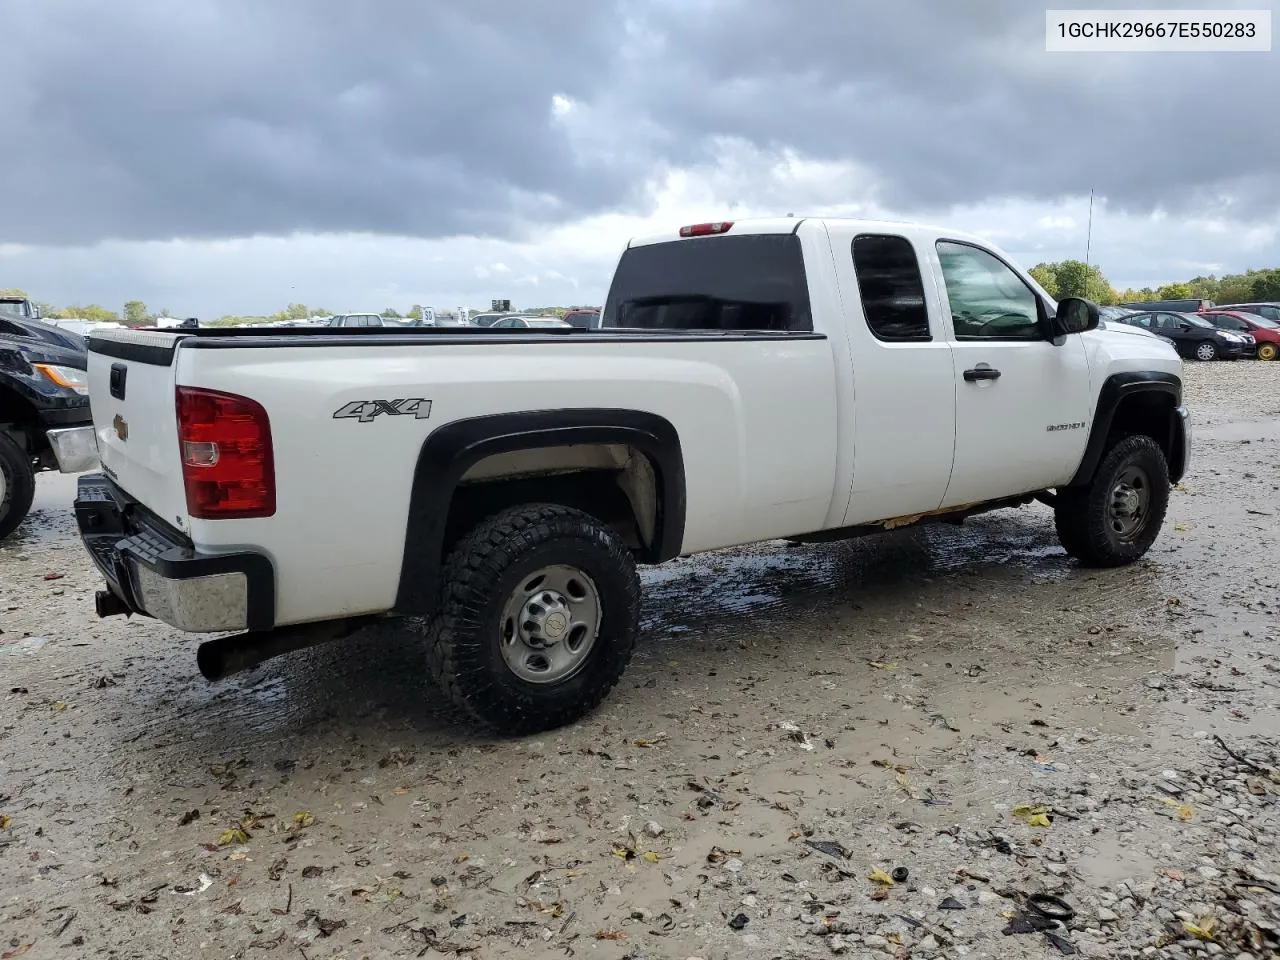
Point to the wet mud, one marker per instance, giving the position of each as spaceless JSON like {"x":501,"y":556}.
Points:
{"x":799,"y":721}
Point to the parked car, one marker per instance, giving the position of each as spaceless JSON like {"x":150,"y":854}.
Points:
{"x":1270,"y":311}
{"x":1265,"y":333}
{"x":584,"y":319}
{"x":531,"y":323}
{"x":1194,"y":305}
{"x":360,"y":320}
{"x":1194,"y":336}
{"x":509,"y":486}
{"x":487,"y":319}
{"x":44,"y":408}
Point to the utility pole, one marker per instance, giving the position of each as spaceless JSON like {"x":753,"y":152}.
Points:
{"x":1088,"y":243}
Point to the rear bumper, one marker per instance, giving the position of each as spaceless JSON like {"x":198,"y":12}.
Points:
{"x":75,"y":448}
{"x":156,"y":572}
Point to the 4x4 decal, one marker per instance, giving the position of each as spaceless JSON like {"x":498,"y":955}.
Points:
{"x":365,"y":410}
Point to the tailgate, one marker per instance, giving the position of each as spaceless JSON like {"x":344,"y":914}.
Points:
{"x":132,"y":377}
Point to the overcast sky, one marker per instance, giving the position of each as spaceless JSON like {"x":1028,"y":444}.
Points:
{"x":230,"y":156}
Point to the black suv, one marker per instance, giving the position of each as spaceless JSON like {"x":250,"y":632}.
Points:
{"x":1193,"y":336}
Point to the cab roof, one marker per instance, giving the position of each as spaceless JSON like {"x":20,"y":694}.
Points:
{"x":761,"y":225}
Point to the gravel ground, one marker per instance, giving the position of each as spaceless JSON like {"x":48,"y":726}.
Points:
{"x":964,"y":705}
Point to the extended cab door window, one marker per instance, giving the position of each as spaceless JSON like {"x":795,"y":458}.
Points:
{"x":988,"y":300}
{"x":891,"y":288}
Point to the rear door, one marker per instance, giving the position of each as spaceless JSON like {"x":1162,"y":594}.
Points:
{"x":904,"y":400}
{"x":1023,"y":402}
{"x":131,"y":392}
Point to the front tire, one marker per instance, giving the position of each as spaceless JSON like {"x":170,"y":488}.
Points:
{"x":1116,"y":518}
{"x":1206,"y":350}
{"x":17,"y":485}
{"x":538,"y":619}
{"x":1267,"y":351}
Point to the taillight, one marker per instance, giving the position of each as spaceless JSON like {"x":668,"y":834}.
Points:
{"x":227,"y":464}
{"x":706,"y":229}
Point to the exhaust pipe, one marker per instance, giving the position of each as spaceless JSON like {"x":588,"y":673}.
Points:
{"x":227,"y":655}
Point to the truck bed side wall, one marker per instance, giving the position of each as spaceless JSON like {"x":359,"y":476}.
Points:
{"x":756,"y":419}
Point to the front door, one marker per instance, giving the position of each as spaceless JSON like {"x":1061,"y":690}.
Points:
{"x":1023,"y":402}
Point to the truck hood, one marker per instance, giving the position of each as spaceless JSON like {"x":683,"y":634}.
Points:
{"x":44,"y":343}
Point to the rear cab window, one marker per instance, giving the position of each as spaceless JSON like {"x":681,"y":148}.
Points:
{"x":750,"y":282}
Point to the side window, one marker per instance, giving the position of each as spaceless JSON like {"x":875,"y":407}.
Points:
{"x":988,"y":300}
{"x":1170,"y":321}
{"x":1144,"y":320}
{"x":891,"y":288}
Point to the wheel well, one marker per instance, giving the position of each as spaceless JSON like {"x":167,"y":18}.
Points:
{"x":616,"y":483}
{"x":1150,"y":413}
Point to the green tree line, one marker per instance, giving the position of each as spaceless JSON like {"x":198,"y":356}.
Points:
{"x":1073,"y":278}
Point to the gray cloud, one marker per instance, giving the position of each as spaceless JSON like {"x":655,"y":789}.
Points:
{"x":145,"y":119}
{"x":953,"y":103}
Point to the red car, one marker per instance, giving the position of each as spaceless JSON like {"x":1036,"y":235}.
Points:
{"x":1266,"y":333}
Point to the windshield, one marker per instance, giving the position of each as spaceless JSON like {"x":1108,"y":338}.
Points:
{"x":14,"y":308}
{"x":1264,"y":323}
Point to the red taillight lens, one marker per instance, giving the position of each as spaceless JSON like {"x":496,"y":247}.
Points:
{"x":706,"y":229}
{"x":227,"y":463}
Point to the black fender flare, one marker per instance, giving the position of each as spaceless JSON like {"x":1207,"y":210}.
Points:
{"x":448,"y":452}
{"x":1115,"y":389}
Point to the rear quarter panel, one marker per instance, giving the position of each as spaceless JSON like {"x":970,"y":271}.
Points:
{"x":756,"y":420}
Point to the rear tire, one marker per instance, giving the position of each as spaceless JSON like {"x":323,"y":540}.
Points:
{"x":1206,"y":350}
{"x":17,"y":485}
{"x":1114,"y":520}
{"x":539,"y":613}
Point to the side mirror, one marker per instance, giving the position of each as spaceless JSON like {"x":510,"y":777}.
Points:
{"x":37,"y":313}
{"x":1076,"y":315}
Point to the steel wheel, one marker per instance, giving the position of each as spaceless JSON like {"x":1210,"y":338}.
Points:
{"x":1267,"y":351}
{"x":549,"y":624}
{"x":1206,"y":351}
{"x":1130,"y":506}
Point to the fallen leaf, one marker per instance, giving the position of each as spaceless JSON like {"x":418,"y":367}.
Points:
{"x":879,"y":876}
{"x":233,"y":835}
{"x":881,"y":666}
{"x":303,"y":818}
{"x":1033,"y":815}
{"x":611,"y":935}
{"x":57,"y":706}
{"x":652,"y":857}
{"x":400,"y":791}
{"x":1185,"y":811}
{"x":19,"y":951}
{"x":51,"y":575}
{"x":5,"y":821}
{"x":189,"y":817}
{"x":1202,"y":929}
{"x":1182,"y":527}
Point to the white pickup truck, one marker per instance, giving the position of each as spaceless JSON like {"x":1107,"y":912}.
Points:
{"x":803,"y":379}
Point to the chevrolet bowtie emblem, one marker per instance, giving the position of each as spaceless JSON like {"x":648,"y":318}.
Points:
{"x":121,"y":427}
